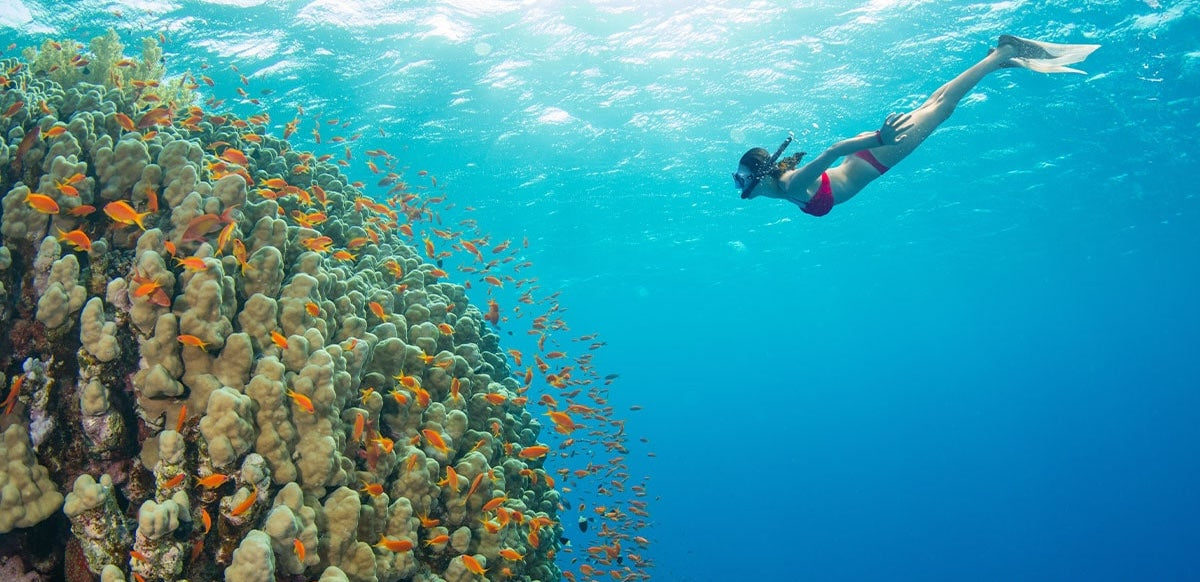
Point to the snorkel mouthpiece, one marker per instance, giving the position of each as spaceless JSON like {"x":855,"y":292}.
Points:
{"x":758,"y":176}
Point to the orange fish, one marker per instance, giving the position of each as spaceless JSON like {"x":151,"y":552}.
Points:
{"x":239,"y":253}
{"x":247,"y":503}
{"x":445,"y":329}
{"x":384,"y":443}
{"x":476,"y":481}
{"x":125,"y":122}
{"x":212,"y":481}
{"x":471,"y":248}
{"x":394,"y":268}
{"x":435,"y":440}
{"x":13,"y":392}
{"x":205,"y":519}
{"x":146,"y":288}
{"x":493,"y":316}
{"x":298,"y":547}
{"x":158,"y":116}
{"x":152,"y":200}
{"x":182,"y":418}
{"x":82,"y":210}
{"x":426,"y":521}
{"x":191,"y":340}
{"x":563,"y":423}
{"x":193,"y":264}
{"x":14,"y":108}
{"x":120,"y":211}
{"x":278,"y":339}
{"x":533,"y":452}
{"x":473,"y":565}
{"x":437,"y":540}
{"x":200,"y":226}
{"x":174,"y":482}
{"x":372,"y":489}
{"x":377,"y":309}
{"x":224,"y":236}
{"x":235,"y":156}
{"x":302,"y":401}
{"x":41,"y":203}
{"x":494,"y":503}
{"x":312,"y":309}
{"x":55,"y":131}
{"x":76,"y":238}
{"x":451,"y":479}
{"x":359,"y":425}
{"x":23,"y":147}
{"x":397,"y":545}
{"x":318,"y":244}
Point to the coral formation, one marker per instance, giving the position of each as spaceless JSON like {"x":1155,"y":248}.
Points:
{"x":97,"y":522}
{"x":27,"y":495}
{"x":260,"y":371}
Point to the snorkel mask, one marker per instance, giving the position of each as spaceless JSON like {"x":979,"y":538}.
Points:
{"x":749,"y":184}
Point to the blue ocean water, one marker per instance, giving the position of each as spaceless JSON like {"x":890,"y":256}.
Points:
{"x":983,"y":367}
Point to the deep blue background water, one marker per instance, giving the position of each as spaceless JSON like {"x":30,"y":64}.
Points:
{"x":983,"y":367}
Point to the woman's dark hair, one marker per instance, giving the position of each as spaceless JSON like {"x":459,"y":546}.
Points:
{"x":758,"y":161}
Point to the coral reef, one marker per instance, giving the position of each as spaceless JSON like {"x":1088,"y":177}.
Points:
{"x":241,"y":362}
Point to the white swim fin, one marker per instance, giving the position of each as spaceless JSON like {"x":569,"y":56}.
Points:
{"x":1046,"y":57}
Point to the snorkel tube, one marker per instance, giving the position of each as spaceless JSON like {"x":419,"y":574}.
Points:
{"x":754,"y":180}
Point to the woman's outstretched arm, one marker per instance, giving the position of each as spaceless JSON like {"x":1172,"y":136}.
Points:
{"x":891,"y":133}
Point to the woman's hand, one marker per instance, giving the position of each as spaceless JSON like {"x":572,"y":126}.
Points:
{"x":894,"y":128}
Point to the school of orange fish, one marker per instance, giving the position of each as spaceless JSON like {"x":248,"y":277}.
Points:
{"x":589,"y":444}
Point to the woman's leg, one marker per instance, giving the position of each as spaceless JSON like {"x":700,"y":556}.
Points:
{"x":940,"y":105}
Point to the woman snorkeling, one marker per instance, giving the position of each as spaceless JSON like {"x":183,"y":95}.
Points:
{"x":816,"y":187}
